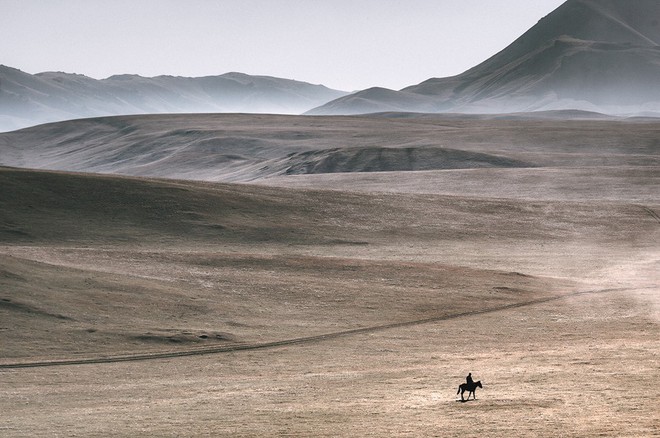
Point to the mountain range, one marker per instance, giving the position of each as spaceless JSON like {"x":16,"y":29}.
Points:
{"x":593,"y":55}
{"x":27,"y":99}
{"x":589,"y":55}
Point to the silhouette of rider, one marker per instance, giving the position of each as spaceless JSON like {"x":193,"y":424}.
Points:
{"x":470,"y":382}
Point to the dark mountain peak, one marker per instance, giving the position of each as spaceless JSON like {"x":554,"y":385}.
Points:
{"x":611,"y":21}
{"x":595,"y":55}
{"x":614,"y":21}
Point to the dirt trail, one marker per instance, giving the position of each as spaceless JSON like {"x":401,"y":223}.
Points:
{"x":652,"y":213}
{"x":297,"y":341}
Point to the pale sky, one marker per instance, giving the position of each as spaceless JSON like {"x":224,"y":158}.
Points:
{"x":343,"y":44}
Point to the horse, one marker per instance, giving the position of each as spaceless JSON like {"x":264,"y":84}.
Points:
{"x":471,"y":389}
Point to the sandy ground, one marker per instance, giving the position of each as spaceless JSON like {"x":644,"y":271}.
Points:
{"x":549,"y":296}
{"x":582,"y":367}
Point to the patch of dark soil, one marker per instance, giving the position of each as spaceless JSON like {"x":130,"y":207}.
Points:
{"x":8,"y":275}
{"x":183,"y":337}
{"x":509,"y":290}
{"x":347,"y":242}
{"x":518,"y":274}
{"x":381,"y":159}
{"x":8,"y":304}
{"x":15,"y":233}
{"x":161,"y":339}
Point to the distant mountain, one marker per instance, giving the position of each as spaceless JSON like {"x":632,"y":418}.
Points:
{"x":593,"y":55}
{"x":27,"y":99}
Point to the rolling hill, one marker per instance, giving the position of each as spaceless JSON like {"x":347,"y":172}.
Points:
{"x":115,"y":265}
{"x":242,"y":148}
{"x":590,"y":55}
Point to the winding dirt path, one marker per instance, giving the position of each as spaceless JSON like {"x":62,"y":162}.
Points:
{"x":295,"y":341}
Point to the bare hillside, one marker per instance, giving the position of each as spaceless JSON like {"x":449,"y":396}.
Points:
{"x":81,"y":250}
{"x":241,"y":148}
{"x":163,"y":307}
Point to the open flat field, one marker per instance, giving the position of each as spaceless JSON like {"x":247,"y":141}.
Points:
{"x":350,"y":303}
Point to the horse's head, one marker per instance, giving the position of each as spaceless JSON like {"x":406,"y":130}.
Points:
{"x":478,"y":383}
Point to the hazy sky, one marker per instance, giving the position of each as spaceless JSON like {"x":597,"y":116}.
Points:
{"x":344,"y":44}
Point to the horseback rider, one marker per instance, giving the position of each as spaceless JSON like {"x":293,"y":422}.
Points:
{"x":471,"y":387}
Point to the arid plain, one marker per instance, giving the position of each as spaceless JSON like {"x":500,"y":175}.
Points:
{"x":330,"y":276}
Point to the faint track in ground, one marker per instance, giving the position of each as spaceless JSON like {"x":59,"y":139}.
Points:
{"x":297,"y":341}
{"x":652,"y":213}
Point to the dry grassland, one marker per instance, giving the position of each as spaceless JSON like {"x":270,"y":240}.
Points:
{"x":196,"y":309}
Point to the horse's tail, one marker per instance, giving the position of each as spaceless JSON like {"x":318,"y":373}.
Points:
{"x":459,"y":389}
